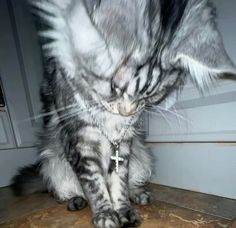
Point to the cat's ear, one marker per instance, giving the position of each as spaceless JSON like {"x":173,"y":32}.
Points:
{"x":202,"y":52}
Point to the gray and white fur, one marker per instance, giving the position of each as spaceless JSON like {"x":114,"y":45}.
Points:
{"x":106,"y":62}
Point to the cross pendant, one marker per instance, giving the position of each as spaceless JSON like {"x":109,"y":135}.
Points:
{"x":117,"y":158}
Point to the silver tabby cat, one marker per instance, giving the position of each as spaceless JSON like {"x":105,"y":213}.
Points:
{"x":106,"y":62}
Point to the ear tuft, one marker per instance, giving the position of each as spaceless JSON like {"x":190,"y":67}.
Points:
{"x":203,"y":74}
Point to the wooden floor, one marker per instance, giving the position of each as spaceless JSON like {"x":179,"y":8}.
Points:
{"x":170,"y":208}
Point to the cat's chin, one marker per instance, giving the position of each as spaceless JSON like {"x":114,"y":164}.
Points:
{"x":123,"y":114}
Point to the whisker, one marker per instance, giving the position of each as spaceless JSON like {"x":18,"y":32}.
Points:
{"x":188,"y":121}
{"x":176,"y":114}
{"x":58,"y":110}
{"x":48,"y":113}
{"x":163,"y":116}
{"x":77,"y":112}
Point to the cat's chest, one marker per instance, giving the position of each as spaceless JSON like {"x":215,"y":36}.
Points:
{"x":108,"y":129}
{"x":113,"y":128}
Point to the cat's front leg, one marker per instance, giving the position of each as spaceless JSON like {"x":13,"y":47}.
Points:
{"x":90,"y":173}
{"x":119,"y":190}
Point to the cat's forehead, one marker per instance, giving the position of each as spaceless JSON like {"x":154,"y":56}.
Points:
{"x":121,"y":22}
{"x":113,"y":34}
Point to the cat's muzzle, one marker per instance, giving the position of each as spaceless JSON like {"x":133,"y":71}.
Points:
{"x":124,"y":108}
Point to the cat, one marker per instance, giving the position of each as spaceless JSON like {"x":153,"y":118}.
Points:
{"x":106,"y":62}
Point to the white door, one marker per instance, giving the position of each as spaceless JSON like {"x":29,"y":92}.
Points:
{"x":20,"y":76}
{"x":194,"y":143}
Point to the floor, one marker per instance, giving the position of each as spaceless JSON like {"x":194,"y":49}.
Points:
{"x":170,"y":208}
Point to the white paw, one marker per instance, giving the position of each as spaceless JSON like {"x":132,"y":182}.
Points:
{"x":106,"y":219}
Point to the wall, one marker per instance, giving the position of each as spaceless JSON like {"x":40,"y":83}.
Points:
{"x":196,"y":149}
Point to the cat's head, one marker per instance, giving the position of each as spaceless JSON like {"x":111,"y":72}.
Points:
{"x":138,"y":52}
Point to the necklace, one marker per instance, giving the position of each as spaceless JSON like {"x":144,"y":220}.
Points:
{"x":115,"y":142}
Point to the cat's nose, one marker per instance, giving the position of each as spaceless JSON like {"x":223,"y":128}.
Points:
{"x":127,"y":109}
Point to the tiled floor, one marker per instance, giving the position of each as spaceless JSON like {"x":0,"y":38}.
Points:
{"x":171,"y":208}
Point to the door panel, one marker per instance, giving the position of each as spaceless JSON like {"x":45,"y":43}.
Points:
{"x":6,"y":136}
{"x":200,"y":167}
{"x":211,"y":123}
{"x":19,"y":76}
{"x":13,"y":159}
{"x":31,"y":55}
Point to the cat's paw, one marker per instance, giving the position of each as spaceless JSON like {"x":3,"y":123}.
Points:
{"x":106,"y":219}
{"x":76,"y":203}
{"x":142,"y":198}
{"x":129,"y":217}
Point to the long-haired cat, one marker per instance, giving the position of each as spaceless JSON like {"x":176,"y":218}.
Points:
{"x":107,"y":61}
